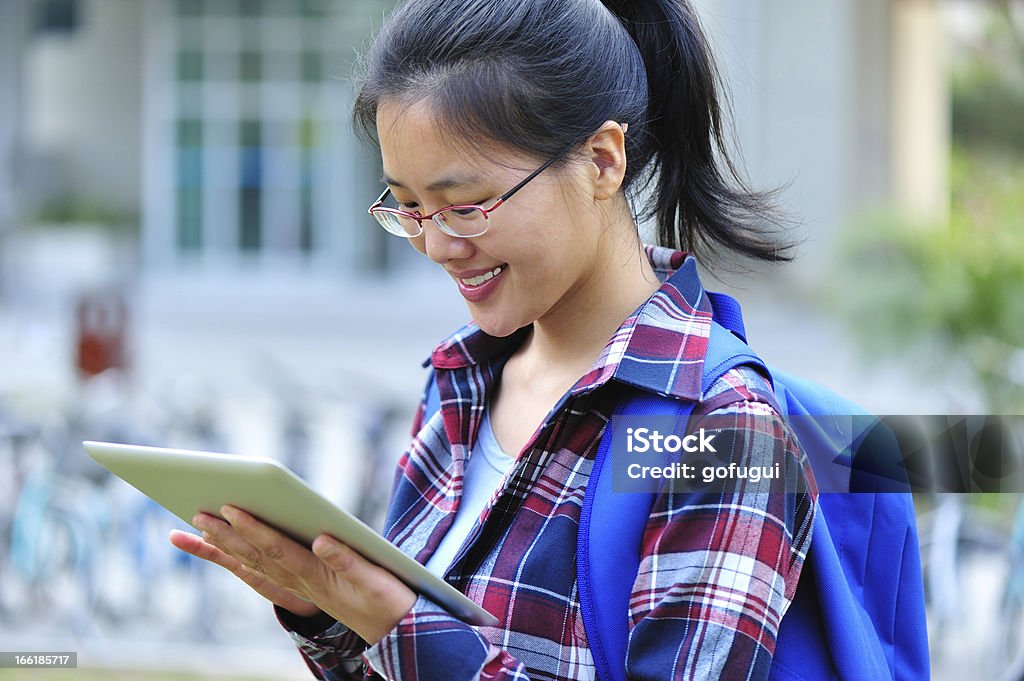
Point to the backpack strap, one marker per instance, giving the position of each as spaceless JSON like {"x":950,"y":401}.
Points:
{"x":728,"y":313}
{"x":726,"y":350}
{"x":607,"y":561}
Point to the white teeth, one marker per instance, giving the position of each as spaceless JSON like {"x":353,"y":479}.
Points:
{"x":476,"y":281}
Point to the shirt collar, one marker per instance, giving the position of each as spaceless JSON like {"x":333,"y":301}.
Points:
{"x":659,"y":348}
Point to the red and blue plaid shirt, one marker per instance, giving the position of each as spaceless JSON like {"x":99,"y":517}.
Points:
{"x":717,"y":572}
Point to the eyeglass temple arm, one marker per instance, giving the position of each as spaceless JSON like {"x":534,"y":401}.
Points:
{"x":501,"y":199}
{"x":504,"y":197}
{"x":380,"y":200}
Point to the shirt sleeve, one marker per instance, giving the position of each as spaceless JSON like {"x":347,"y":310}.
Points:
{"x":331,"y":650}
{"x":428,"y":644}
{"x":719,"y":566}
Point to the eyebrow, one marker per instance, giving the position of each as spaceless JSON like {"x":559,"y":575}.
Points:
{"x":439,"y":185}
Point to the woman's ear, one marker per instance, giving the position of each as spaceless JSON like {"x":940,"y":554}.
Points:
{"x":606,"y":150}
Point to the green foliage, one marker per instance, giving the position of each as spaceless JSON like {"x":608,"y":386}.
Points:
{"x":988,"y":84}
{"x":953,"y":293}
{"x":78,"y":210}
{"x":957,"y":288}
{"x":988,"y":109}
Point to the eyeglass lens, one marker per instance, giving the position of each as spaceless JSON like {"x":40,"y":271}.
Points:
{"x":463,"y":222}
{"x":397,"y":224}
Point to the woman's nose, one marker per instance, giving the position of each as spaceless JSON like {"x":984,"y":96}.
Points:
{"x":441,"y":247}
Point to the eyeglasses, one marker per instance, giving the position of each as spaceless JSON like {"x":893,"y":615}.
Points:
{"x":463,"y":221}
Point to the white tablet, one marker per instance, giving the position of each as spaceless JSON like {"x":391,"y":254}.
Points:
{"x":186,"y":482}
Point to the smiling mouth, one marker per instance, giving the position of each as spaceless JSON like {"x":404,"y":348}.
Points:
{"x":483,"y":278}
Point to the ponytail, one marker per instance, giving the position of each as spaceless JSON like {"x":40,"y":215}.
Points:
{"x":701,"y":200}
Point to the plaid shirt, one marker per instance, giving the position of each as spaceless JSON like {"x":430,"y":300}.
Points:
{"x":717,"y":571}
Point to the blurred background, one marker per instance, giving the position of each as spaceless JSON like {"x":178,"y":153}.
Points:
{"x":186,"y":260}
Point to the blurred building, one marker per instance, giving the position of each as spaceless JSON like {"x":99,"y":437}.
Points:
{"x":224,"y":123}
{"x":246,"y":136}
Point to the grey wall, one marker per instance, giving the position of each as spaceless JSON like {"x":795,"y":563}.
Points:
{"x":13,"y":33}
{"x":809,"y":84}
{"x":83,"y":104}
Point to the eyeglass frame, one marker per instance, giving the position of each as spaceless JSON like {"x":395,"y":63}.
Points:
{"x":377,"y":207}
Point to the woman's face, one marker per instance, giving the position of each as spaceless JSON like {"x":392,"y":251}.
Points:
{"x":541,"y":246}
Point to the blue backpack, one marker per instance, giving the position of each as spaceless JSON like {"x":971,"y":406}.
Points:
{"x":858,"y":612}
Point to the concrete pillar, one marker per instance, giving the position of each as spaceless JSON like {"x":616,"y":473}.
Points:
{"x":14,"y":27}
{"x":920,"y":110}
{"x":82,"y":105}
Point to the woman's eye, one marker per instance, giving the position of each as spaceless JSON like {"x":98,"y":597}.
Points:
{"x":474,"y":204}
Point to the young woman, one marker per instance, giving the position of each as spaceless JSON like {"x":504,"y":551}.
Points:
{"x":516,"y":137}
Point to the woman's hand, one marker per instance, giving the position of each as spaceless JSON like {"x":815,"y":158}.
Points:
{"x":332,"y":578}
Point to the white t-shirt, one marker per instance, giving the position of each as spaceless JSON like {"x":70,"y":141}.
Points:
{"x":485,"y":470}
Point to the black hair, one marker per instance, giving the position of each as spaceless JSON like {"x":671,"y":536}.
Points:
{"x":541,"y":75}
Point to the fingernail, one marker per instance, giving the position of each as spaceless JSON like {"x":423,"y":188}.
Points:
{"x":198,"y":522}
{"x":228,"y":513}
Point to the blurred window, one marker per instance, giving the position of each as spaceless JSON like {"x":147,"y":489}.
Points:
{"x":312,"y":67}
{"x":56,"y":16}
{"x":190,"y":8}
{"x":190,"y":66}
{"x":250,"y":64}
{"x":190,"y":132}
{"x":256,"y":124}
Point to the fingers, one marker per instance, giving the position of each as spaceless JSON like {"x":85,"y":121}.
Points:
{"x":359,"y":578}
{"x":221,"y":535}
{"x":368,"y":598}
{"x":196,"y":546}
{"x":267,"y":549}
{"x":190,"y":543}
{"x":200,"y":548}
{"x":336,"y":555}
{"x":332,"y":577}
{"x":186,"y":541}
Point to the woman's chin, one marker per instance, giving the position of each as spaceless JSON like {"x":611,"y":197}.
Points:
{"x":499,"y":328}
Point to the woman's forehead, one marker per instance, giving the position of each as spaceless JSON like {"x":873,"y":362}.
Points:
{"x":415,"y":147}
{"x":416,"y":156}
{"x":400,"y":123}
